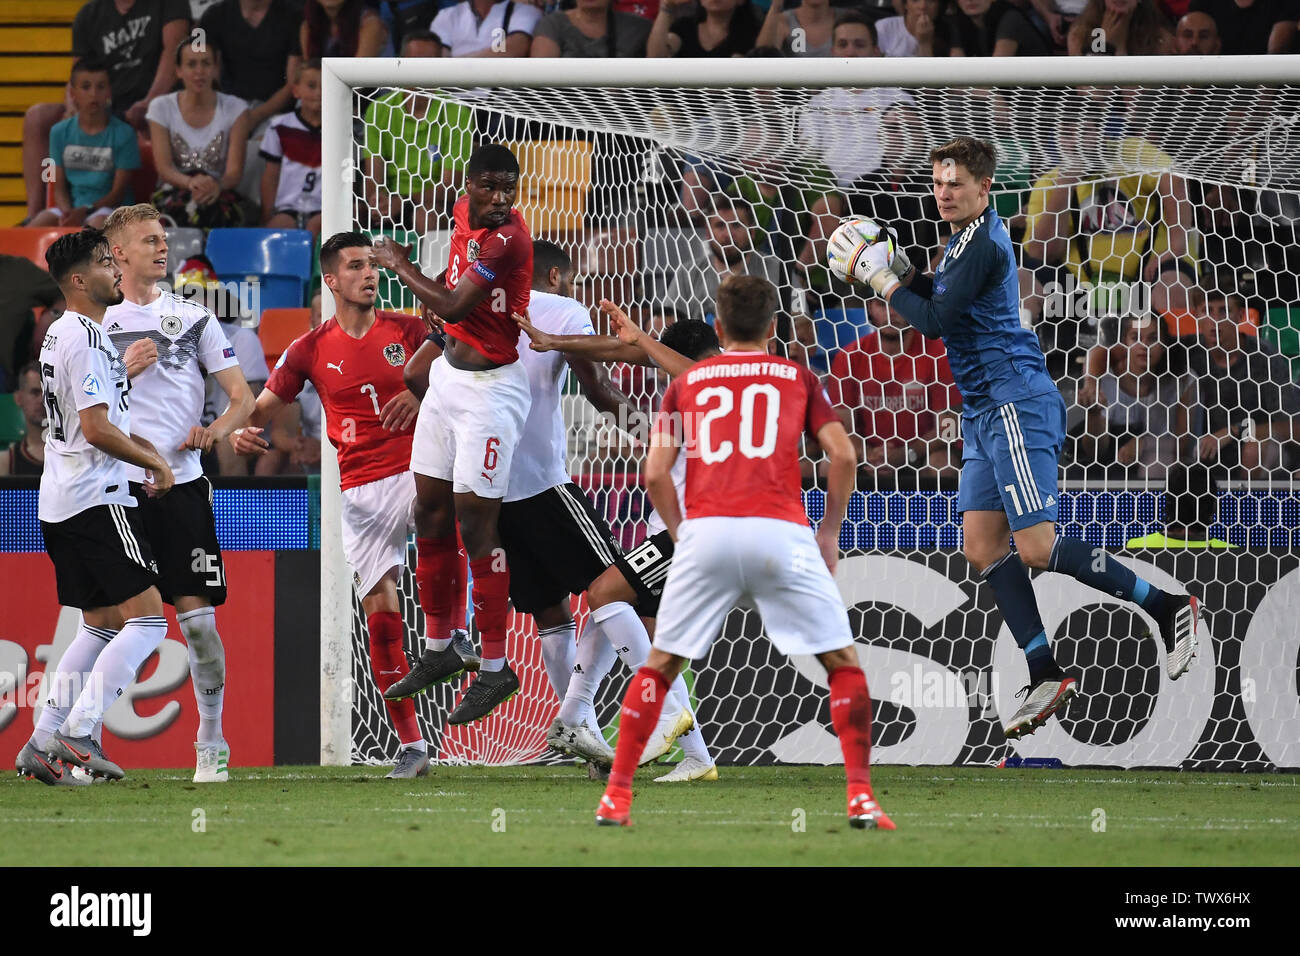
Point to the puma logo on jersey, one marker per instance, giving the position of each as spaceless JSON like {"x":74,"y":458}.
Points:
{"x":503,"y":237}
{"x":338,"y":368}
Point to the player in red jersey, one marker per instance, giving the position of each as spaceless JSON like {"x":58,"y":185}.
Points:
{"x":740,"y":416}
{"x":355,"y":361}
{"x":471,"y":419}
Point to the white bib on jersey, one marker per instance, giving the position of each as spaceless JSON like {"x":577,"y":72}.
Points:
{"x":540,"y":459}
{"x":80,"y":368}
{"x":168,"y":396}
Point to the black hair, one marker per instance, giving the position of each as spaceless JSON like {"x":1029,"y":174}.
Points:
{"x":854,"y":15}
{"x":547,"y":256}
{"x":492,"y":158}
{"x":424,"y":35}
{"x":693,"y":338}
{"x":73,"y":251}
{"x":330,"y":249}
{"x":87,"y":65}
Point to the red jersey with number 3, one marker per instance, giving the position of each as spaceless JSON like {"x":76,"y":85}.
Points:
{"x":355,"y":379}
{"x":739,"y":417}
{"x":501,"y":261}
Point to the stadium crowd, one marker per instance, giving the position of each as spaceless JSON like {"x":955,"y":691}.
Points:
{"x":220,"y":129}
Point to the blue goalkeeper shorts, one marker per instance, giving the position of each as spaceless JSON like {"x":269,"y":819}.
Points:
{"x":1009,"y":461}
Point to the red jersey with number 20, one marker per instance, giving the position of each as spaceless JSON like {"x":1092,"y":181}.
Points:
{"x":355,"y":379}
{"x":501,"y":261}
{"x":739,"y":417}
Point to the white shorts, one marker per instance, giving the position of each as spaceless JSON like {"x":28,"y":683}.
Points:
{"x":469,"y":426}
{"x":377,"y":519}
{"x":721,"y":563}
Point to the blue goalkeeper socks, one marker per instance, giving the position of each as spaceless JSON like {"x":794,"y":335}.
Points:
{"x":1015,"y":597}
{"x":1096,"y":568}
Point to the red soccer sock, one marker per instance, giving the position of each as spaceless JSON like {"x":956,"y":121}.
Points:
{"x":438,"y":562}
{"x":642,"y":705}
{"x":460,"y":585}
{"x":491,"y":594}
{"x":851,"y":717}
{"x":389,"y":665}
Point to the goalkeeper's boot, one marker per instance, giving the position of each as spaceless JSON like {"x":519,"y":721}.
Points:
{"x":1044,"y":699}
{"x":1178,"y":630}
{"x":212,"y":763}
{"x":37,"y":766}
{"x":433,"y":667}
{"x":615,"y":808}
{"x":670,"y":727}
{"x":83,"y":752}
{"x":489,"y":691}
{"x":691,"y":768}
{"x":865,"y":813}
{"x":463,"y":646}
{"x":411,"y":763}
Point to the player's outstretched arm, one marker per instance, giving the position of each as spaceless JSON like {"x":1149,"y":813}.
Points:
{"x":111,"y":440}
{"x":664,"y":449}
{"x":630,"y":334}
{"x":839,"y":486}
{"x":451,"y":304}
{"x":241,"y":405}
{"x":596,"y":348}
{"x":416,"y":373}
{"x":248,"y":440}
{"x":966,"y":275}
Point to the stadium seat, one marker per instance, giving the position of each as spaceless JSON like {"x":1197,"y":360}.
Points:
{"x":181,"y":244}
{"x":1283,"y":329}
{"x":554,"y":183}
{"x":278,"y":329}
{"x":32,"y":243}
{"x":837,"y":328}
{"x":12,"y":426}
{"x":272,"y":292}
{"x":260,"y":252}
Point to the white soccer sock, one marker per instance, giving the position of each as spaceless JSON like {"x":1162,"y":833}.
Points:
{"x":592,"y":661}
{"x":693,"y":745}
{"x":114,"y":670}
{"x":68,"y":679}
{"x":624,"y":630}
{"x":559,"y":649}
{"x":207,"y":669}
{"x":419,"y":745}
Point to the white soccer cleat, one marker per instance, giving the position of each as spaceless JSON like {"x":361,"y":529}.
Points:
{"x":582,"y":741}
{"x":1045,"y":698}
{"x":691,"y":768}
{"x":1179,"y":631}
{"x":213,"y":763}
{"x":670,"y":727}
{"x":556,"y":736}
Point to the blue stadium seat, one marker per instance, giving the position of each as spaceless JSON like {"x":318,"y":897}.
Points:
{"x":273,"y":292}
{"x":261,"y":252}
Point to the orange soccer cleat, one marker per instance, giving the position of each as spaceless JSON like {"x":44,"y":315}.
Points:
{"x":865,"y":813}
{"x":615,"y":808}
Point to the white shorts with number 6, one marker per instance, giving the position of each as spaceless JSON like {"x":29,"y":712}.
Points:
{"x":377,"y":518}
{"x":774,"y":565}
{"x":469,"y":425}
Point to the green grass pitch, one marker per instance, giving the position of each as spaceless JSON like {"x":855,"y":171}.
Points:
{"x":460,"y":816}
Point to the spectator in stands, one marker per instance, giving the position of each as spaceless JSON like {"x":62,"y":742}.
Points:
{"x":342,"y":28}
{"x":1252,"y":26}
{"x":716,"y":28}
{"x":1120,"y":28}
{"x":291,"y":187}
{"x":1197,"y":33}
{"x":27,"y":287}
{"x":890,"y":389}
{"x":415,"y":151}
{"x":593,"y":28}
{"x":917,"y":32}
{"x":729,"y":251}
{"x":27,"y":457}
{"x":485,"y":28}
{"x":1176,"y":298}
{"x":1137,"y":415}
{"x":804,"y":31}
{"x":94,"y":154}
{"x":199,"y":141}
{"x":994,"y":28}
{"x":404,"y":17}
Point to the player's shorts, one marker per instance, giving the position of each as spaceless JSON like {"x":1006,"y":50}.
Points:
{"x":646,"y":568}
{"x":183,"y":535}
{"x":101,"y":557}
{"x":721,"y":563}
{"x":556,"y":544}
{"x":378,"y":517}
{"x":1009,"y":460}
{"x":469,"y":425}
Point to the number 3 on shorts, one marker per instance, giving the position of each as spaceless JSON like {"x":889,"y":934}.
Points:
{"x":490,"y":454}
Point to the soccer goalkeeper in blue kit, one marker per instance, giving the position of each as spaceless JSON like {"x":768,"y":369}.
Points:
{"x":1013,"y":419}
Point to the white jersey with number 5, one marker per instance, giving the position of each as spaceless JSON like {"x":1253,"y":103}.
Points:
{"x":80,"y":368}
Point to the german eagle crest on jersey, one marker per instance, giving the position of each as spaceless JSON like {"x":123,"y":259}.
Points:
{"x":395,"y":354}
{"x":172,"y":325}
{"x":471,"y":250}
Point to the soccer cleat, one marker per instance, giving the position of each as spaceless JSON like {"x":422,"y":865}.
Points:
{"x":212,"y":764}
{"x":670,"y":727}
{"x":489,"y":691}
{"x":411,"y":763}
{"x":581,"y":741}
{"x":83,"y":752}
{"x":37,"y":766}
{"x":462,"y":645}
{"x":615,"y":808}
{"x":1178,"y":629}
{"x":1044,"y":699}
{"x":555,"y":736}
{"x":433,"y":667}
{"x":691,"y":768}
{"x":865,"y":813}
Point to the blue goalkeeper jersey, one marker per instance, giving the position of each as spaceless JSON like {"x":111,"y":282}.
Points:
{"x":972,"y":302}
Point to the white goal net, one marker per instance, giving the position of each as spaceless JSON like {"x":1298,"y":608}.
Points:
{"x":1160,"y":268}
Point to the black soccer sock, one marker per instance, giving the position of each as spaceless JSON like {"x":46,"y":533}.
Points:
{"x":1097,"y":569}
{"x":1015,"y":597}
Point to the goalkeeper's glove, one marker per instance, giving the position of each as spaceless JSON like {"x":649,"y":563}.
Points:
{"x":851,"y":256}
{"x":902,"y":266}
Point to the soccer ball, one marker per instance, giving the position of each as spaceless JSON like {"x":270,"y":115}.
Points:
{"x":851,"y":238}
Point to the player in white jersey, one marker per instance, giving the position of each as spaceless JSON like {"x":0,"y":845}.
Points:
{"x":89,"y":519}
{"x":169,"y":399}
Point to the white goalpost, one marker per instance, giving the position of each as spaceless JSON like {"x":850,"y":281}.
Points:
{"x":647,"y":171}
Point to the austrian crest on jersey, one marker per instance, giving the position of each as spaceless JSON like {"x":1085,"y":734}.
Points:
{"x":395,"y":354}
{"x":472,"y":250}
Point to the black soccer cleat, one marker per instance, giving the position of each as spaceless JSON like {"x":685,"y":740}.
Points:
{"x":85,"y":753}
{"x":433,"y":667}
{"x":489,"y":691}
